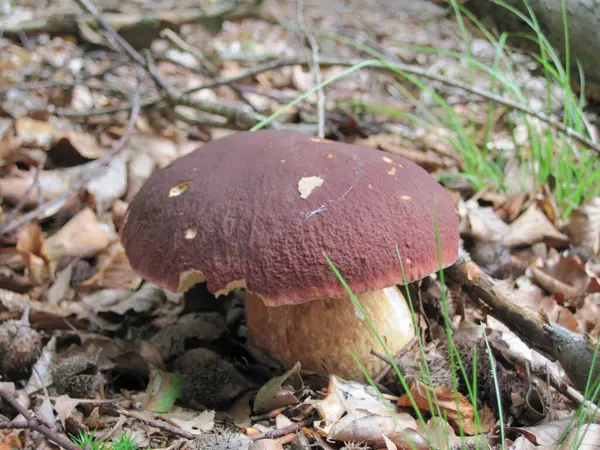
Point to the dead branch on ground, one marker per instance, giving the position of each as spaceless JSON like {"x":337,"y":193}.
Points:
{"x":574,"y":351}
{"x":32,"y":423}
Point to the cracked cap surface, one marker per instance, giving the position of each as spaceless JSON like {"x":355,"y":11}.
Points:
{"x":258,"y":209}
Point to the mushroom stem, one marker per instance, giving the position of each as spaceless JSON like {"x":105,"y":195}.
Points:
{"x":321,"y":333}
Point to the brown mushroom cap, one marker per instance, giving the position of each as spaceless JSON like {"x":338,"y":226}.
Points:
{"x":258,"y":209}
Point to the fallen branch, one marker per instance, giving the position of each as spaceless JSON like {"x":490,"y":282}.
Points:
{"x":65,"y":22}
{"x":574,"y":351}
{"x":159,"y":102}
{"x":160,"y":424}
{"x":31,"y":423}
{"x":182,"y":45}
{"x":277,"y":432}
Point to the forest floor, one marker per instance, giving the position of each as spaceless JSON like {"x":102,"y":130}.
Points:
{"x":90,"y":352}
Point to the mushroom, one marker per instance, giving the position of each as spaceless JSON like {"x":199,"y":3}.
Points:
{"x":259,"y":210}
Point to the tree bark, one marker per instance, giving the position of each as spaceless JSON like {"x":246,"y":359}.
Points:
{"x":583,"y":18}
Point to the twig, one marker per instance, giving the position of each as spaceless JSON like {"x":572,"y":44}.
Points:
{"x":31,"y":423}
{"x":158,"y":424}
{"x":316,"y":69}
{"x":279,"y":432}
{"x":574,"y":351}
{"x":397,"y":357}
{"x":325,"y":62}
{"x":122,"y":43}
{"x":85,"y":178}
{"x":178,"y":42}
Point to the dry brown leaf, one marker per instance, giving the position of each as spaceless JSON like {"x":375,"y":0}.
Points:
{"x":279,"y":391}
{"x":265,"y":444}
{"x":30,"y":245}
{"x":584,"y":225}
{"x":568,"y":277}
{"x":531,"y":227}
{"x":83,"y":236}
{"x":141,"y":166}
{"x":85,"y":144}
{"x":64,"y":406}
{"x":195,"y":422}
{"x":114,"y":270}
{"x":511,"y":209}
{"x":163,"y":150}
{"x":44,"y":315}
{"x":9,"y":142}
{"x":480,"y":222}
{"x":118,"y":211}
{"x":586,"y":438}
{"x":589,"y":313}
{"x":446,"y":400}
{"x":442,"y":435}
{"x":61,"y":285}
{"x":51,"y":183}
{"x":534,"y":299}
{"x":552,"y":285}
{"x":34,"y":133}
{"x":111,"y":184}
{"x":348,"y":396}
{"x":362,"y":426}
{"x":545,"y":433}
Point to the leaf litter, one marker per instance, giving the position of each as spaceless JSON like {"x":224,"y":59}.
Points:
{"x":86,"y":343}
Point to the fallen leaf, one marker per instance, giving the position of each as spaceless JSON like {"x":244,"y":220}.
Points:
{"x":195,"y":422}
{"x":110,"y":184}
{"x":279,"y":391}
{"x":62,"y":283}
{"x":346,"y":397}
{"x":64,"y":406}
{"x":30,"y":245}
{"x":545,"y":433}
{"x":586,"y":437}
{"x":482,"y":223}
{"x":531,"y":227}
{"x":442,"y":435}
{"x":163,"y":390}
{"x":583,"y":226}
{"x":163,"y":150}
{"x":85,"y":144}
{"x":122,"y":301}
{"x":34,"y":133}
{"x":82,"y":236}
{"x":362,"y":426}
{"x":265,"y":444}
{"x":460,"y":416}
{"x":45,"y":412}
{"x":114,"y":270}
{"x":41,"y":374}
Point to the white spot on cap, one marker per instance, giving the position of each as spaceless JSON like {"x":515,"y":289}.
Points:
{"x":320,"y":141}
{"x":191,"y":232}
{"x":307,"y":184}
{"x":392,"y":171}
{"x":387,"y":159}
{"x":179,"y":189}
{"x":405,"y":197}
